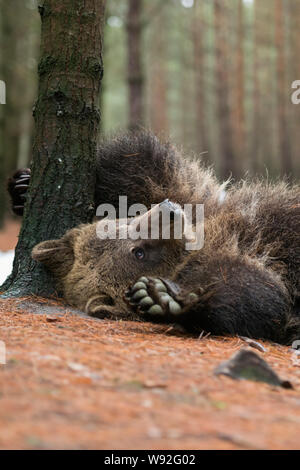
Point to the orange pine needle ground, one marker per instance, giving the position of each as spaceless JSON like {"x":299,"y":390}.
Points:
{"x":75,"y":382}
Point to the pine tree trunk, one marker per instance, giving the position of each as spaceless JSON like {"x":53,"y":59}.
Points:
{"x":282,"y":92}
{"x":2,"y":169}
{"x":12,"y":30}
{"x":2,"y":165}
{"x":256,"y":120}
{"x":228,"y":163}
{"x":28,"y":86}
{"x":294,"y":74}
{"x":135,"y":70}
{"x":66,"y":114}
{"x":198,"y":28}
{"x":240,"y":75}
{"x":159,"y":79}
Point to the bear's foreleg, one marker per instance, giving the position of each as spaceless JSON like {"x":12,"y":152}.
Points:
{"x":240,"y":300}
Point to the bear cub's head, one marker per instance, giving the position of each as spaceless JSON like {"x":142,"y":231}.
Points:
{"x":93,"y":272}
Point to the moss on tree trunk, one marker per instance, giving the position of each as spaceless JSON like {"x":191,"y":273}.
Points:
{"x":61,"y":193}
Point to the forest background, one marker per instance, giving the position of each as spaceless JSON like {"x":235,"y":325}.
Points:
{"x":213,"y":76}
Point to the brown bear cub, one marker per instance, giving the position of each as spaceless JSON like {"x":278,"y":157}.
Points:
{"x":244,"y":280}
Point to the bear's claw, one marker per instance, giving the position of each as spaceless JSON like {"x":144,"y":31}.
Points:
{"x":17,"y":186}
{"x":22,"y":183}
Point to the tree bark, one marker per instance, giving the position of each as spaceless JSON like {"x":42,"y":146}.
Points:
{"x":198,"y":28}
{"x":159,"y":79}
{"x":294,"y":74}
{"x":66,"y":114}
{"x":256,"y":120}
{"x":228,"y":163}
{"x":282,"y":92}
{"x":2,"y":163}
{"x":135,"y":70}
{"x":12,"y":30}
{"x":239,"y":114}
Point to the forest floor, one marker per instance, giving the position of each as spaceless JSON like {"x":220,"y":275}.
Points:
{"x":74,"y":382}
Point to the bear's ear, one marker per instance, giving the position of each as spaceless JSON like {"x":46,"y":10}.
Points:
{"x":57,"y":255}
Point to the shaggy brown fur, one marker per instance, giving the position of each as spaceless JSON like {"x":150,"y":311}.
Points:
{"x":145,"y":170}
{"x":244,"y":281}
{"x":149,"y":171}
{"x":247,"y":275}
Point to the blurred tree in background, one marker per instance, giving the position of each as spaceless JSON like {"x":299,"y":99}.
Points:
{"x":135,"y":76}
{"x":214,"y":75}
{"x":2,"y":160}
{"x":19,"y":47}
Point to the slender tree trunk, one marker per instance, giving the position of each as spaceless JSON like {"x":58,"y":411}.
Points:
{"x":198,"y":26}
{"x":228,"y":163}
{"x":282,"y":91}
{"x":239,"y":115}
{"x":135,"y":70}
{"x":184,"y":100}
{"x":159,"y":86}
{"x":61,"y":192}
{"x":12,"y":31}
{"x":29,"y":90}
{"x":2,"y":169}
{"x":2,"y":164}
{"x":294,"y":74}
{"x":256,"y":113}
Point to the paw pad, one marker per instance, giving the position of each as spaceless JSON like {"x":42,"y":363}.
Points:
{"x":139,"y":294}
{"x":151,"y":297}
{"x":155,"y":310}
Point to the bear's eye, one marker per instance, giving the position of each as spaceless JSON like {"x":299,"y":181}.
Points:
{"x":139,"y":253}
